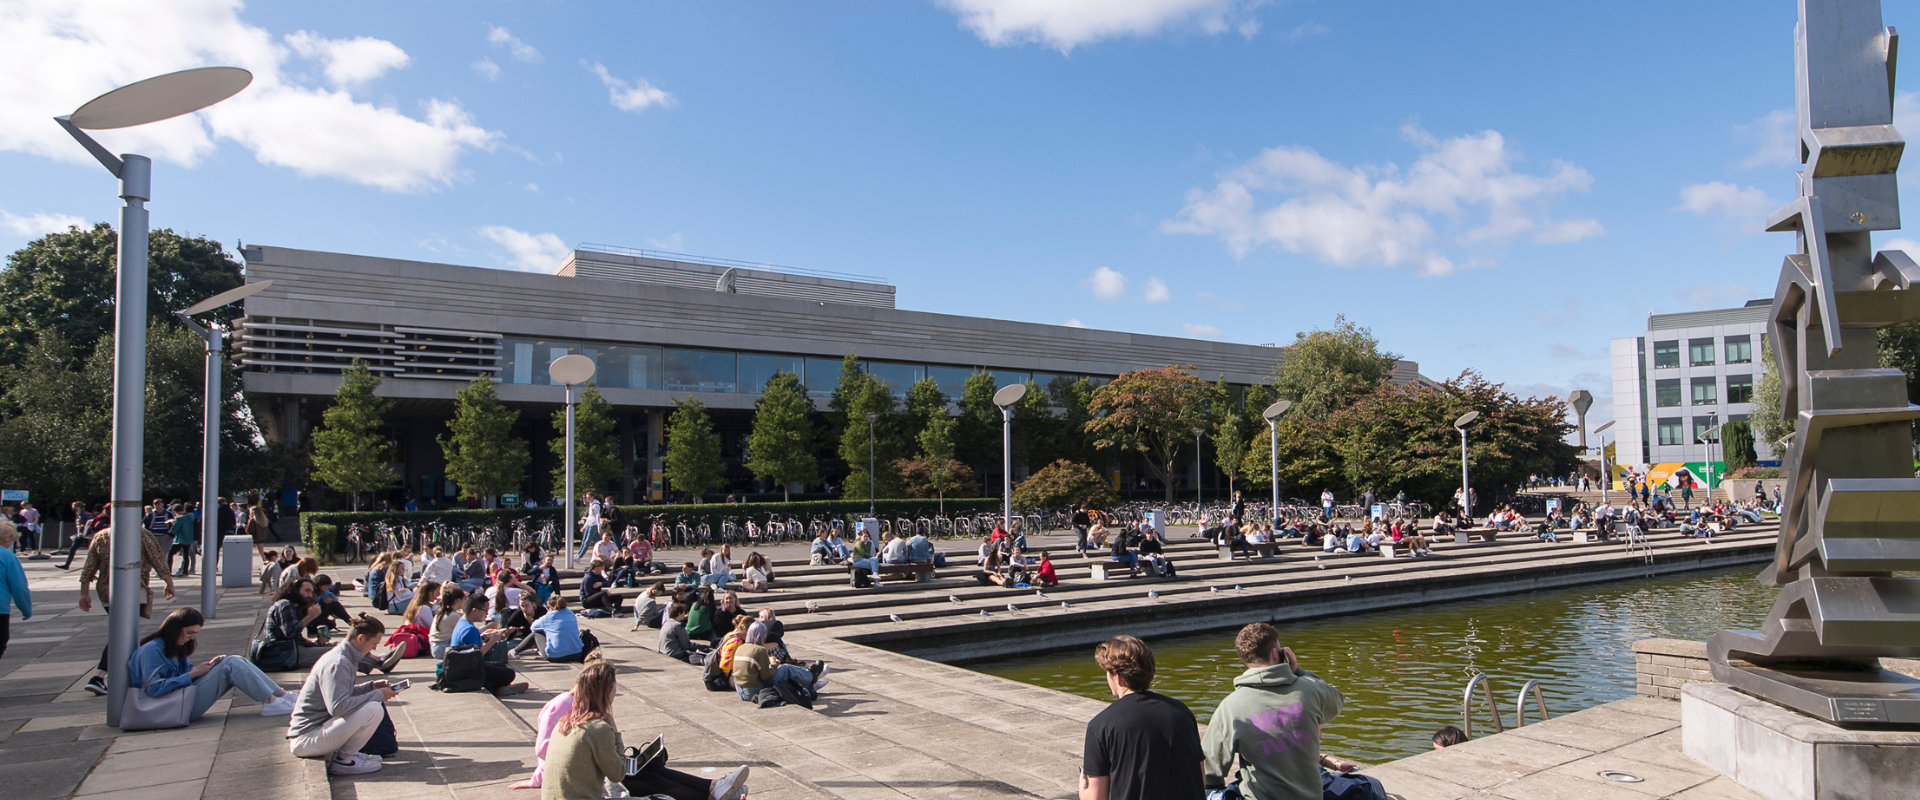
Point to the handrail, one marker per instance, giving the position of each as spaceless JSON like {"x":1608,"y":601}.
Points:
{"x":1466,"y":704}
{"x":1520,"y":703}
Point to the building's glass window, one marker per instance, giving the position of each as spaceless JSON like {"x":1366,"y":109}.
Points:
{"x":952,"y":380}
{"x":1739,"y":388}
{"x":1007,"y":377}
{"x":1666,"y":354}
{"x":525,"y":360}
{"x":1666,"y":392}
{"x":625,"y":366}
{"x":699,"y":371}
{"x":1671,"y":431}
{"x":1700,"y":352}
{"x":1701,"y":424}
{"x":898,"y":378}
{"x":757,"y":369}
{"x":823,"y":374}
{"x":1706,"y":391}
{"x":1740,"y":349}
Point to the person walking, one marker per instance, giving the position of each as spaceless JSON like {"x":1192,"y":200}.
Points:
{"x":13,"y":585}
{"x":1081,"y":522}
{"x":1143,"y":746}
{"x":590,"y":526}
{"x":1271,"y":722}
{"x":94,"y":573}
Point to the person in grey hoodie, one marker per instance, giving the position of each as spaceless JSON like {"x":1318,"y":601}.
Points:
{"x":1272,"y":722}
{"x":334,"y":718}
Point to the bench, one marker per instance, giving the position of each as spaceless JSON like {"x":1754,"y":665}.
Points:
{"x":1266,"y":550}
{"x":1104,"y":570}
{"x":921,"y":572}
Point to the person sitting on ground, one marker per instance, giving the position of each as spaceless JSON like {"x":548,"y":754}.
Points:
{"x":720,"y":567}
{"x":753,"y":667}
{"x":728,"y":644}
{"x":1448,"y":736}
{"x":446,"y":616}
{"x":821,"y":551}
{"x":1097,"y":533}
{"x":559,"y":636}
{"x":1332,"y":541}
{"x":776,"y":637}
{"x":595,"y":590}
{"x":160,"y":667}
{"x":1545,"y":531}
{"x":1044,"y":574}
{"x":640,"y":556}
{"x":303,"y":568}
{"x":647,"y":609}
{"x":550,"y":715}
{"x":333,"y":718}
{"x":688,"y":575}
{"x":1121,"y":554}
{"x":990,"y":573}
{"x":532,"y":558}
{"x":700,"y":617}
{"x":1273,"y":701}
{"x":861,"y":557}
{"x":284,"y":645}
{"x":586,"y":752}
{"x":329,"y":602}
{"x":495,"y":676}
{"x":726,"y":609}
{"x":755,"y":579}
{"x":546,"y":579}
{"x":438,"y":568}
{"x":518,"y":623}
{"x":1144,"y":745}
{"x":1409,"y":535}
{"x":674,"y":641}
{"x":399,"y":589}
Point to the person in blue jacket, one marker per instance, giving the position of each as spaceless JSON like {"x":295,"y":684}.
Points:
{"x":13,"y":584}
{"x":160,"y":666}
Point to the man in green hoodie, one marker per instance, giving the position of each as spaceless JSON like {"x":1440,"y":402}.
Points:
{"x":1272,"y":722}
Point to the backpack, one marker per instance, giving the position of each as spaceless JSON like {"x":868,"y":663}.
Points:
{"x":862,"y":577}
{"x":1350,"y":786}
{"x":412,"y":637}
{"x":460,"y":671}
{"x":712,"y":676}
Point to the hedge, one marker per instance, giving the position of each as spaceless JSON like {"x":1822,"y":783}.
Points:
{"x":322,"y":539}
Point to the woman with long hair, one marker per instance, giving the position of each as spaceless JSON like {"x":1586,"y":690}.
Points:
{"x":421,"y":609}
{"x":585,"y":751}
{"x":445,"y":617}
{"x":160,"y":666}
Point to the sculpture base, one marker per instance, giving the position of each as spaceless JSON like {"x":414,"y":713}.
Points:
{"x":1870,"y":698}
{"x":1784,"y":755}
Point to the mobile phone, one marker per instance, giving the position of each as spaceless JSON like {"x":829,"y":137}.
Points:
{"x":401,"y":685}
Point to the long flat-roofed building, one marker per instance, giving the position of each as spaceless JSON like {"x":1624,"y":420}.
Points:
{"x":658,"y":326}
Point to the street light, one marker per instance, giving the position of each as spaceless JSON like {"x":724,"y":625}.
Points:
{"x":1005,"y":398}
{"x":210,"y":442}
{"x":151,"y":100}
{"x":1272,"y":416}
{"x":1466,"y":490}
{"x":570,"y":370}
{"x":1606,"y":468}
{"x":1198,"y":501}
{"x":1702,"y":438}
{"x":872,"y":417}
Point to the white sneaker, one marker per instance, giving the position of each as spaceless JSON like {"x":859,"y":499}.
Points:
{"x":819,"y":684}
{"x":279,"y":706}
{"x":731,"y":787}
{"x":352,"y":764}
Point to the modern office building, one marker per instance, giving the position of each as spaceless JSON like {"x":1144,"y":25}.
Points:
{"x":1687,"y":374}
{"x":658,"y":326}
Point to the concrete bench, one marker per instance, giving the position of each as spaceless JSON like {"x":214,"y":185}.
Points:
{"x":1266,"y":550}
{"x":916,"y":573}
{"x":1107,"y":570}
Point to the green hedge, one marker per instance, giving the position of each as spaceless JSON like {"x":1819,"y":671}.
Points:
{"x":711,"y":513}
{"x":323,"y":540}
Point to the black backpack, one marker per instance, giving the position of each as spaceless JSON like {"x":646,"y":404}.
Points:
{"x":862,"y":577}
{"x":715,"y":679}
{"x":460,"y":671}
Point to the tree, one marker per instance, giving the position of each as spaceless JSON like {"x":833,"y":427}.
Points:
{"x":852,"y":375}
{"x":349,"y":454}
{"x":693,"y":451}
{"x":596,"y":446}
{"x":483,"y":458}
{"x":56,"y":443}
{"x":1070,"y":401}
{"x":1152,"y":412}
{"x":1736,"y":440}
{"x":936,"y":469}
{"x":925,"y":402}
{"x":976,"y":436}
{"x":1402,"y":438}
{"x":879,"y":444}
{"x":1061,"y":484}
{"x":1768,"y":426}
{"x":782,"y":449}
{"x":1230,"y":446}
{"x":1325,"y":371}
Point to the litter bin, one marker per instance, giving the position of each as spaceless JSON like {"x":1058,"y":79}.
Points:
{"x":1158,"y":519}
{"x":236,"y":561}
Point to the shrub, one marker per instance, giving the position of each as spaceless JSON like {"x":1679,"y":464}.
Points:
{"x":322,"y":540}
{"x":1061,"y":484}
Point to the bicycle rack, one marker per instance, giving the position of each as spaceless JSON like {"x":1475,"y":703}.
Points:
{"x":1466,"y":704}
{"x":1520,"y":703}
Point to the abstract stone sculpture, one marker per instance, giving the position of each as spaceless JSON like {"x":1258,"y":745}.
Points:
{"x":1852,"y":513}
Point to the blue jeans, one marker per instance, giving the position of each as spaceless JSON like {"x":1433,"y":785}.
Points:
{"x":589,"y":536}
{"x":438,"y":649}
{"x":716,"y":579}
{"x":784,"y":672}
{"x":233,"y":672}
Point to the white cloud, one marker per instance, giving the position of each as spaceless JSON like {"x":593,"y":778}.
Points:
{"x":78,"y":50}
{"x":1717,"y":295}
{"x":349,"y":62}
{"x":487,"y":69}
{"x":532,"y":187}
{"x":673,"y":243}
{"x":635,"y":96}
{"x":1075,"y":323}
{"x":1775,"y":139}
{"x":531,"y":252}
{"x":1155,"y":291}
{"x":1748,"y":205}
{"x":39,"y":223}
{"x":521,"y":51}
{"x":1066,"y":24}
{"x":1307,"y":29}
{"x":1909,"y":246}
{"x":1106,"y":284}
{"x":1381,"y":214}
{"x":1200,"y":331}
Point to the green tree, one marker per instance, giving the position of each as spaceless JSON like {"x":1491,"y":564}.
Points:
{"x":56,"y":439}
{"x":1737,"y":439}
{"x":865,"y":396}
{"x":1768,"y":426}
{"x":925,"y":402}
{"x":1070,"y":401}
{"x":596,"y":446}
{"x":483,"y":457}
{"x":976,"y":437}
{"x":937,"y":465}
{"x":853,"y":376}
{"x":1152,"y":412}
{"x":1402,"y":438}
{"x":1061,"y":484}
{"x":1036,"y":434}
{"x":1325,"y":371}
{"x":782,"y":445}
{"x":1230,"y":446}
{"x":693,"y":450}
{"x":349,"y":453}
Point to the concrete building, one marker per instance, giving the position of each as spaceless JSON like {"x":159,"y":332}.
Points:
{"x":658,"y":326}
{"x":1688,"y":373}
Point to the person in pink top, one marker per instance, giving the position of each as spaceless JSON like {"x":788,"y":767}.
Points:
{"x":550,"y":716}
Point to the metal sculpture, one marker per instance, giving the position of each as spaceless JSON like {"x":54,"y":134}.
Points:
{"x":1852,"y":513}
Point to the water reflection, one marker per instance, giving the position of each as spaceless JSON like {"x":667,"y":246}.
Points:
{"x":1403,"y":670}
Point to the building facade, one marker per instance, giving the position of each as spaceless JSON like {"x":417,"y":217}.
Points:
{"x":658,"y":327}
{"x":1687,"y":374}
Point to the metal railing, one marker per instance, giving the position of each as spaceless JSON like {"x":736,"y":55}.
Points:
{"x":1466,"y":705}
{"x":685,"y":258}
{"x":1520,"y":704}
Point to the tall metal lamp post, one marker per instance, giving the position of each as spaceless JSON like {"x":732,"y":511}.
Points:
{"x":1710,"y":437}
{"x":1005,"y":398}
{"x":1198,"y":500}
{"x":210,"y":444}
{"x":872,"y":418}
{"x":1272,"y":416}
{"x":570,"y":370}
{"x":1606,"y":467}
{"x":151,"y":100}
{"x":1466,"y":489}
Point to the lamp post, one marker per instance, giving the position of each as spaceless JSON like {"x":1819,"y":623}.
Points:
{"x":1713,"y":432}
{"x":150,"y":100}
{"x":1005,"y":398}
{"x":1198,"y":500}
{"x":210,"y":443}
{"x":1606,"y":468}
{"x":872,"y":417}
{"x":1272,"y":416}
{"x":1466,"y":489}
{"x":569,"y":370}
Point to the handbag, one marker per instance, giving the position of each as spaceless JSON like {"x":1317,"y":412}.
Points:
{"x":144,"y":712}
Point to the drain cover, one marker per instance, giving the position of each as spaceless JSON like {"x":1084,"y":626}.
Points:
{"x":1623,"y":777}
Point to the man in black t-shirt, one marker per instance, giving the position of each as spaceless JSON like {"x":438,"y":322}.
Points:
{"x":1145,"y":746}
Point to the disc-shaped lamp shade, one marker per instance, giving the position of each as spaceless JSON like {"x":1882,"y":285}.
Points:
{"x":1708,"y":434}
{"x":1466,"y":418}
{"x":1009,"y":394}
{"x":1609,"y":424}
{"x":161,"y":97}
{"x":227,"y":298}
{"x":571,"y":370}
{"x":1274,"y":411}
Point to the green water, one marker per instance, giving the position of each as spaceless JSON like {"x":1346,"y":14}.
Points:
{"x":1403,"y":670}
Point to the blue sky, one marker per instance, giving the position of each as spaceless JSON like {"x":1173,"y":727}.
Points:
{"x":1500,"y":186}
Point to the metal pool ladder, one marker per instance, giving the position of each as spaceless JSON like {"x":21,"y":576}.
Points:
{"x":1486,"y":692}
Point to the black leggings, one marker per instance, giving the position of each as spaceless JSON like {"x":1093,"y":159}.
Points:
{"x":79,"y":544}
{"x":603,"y":600}
{"x":670,"y":782}
{"x":6,"y":632}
